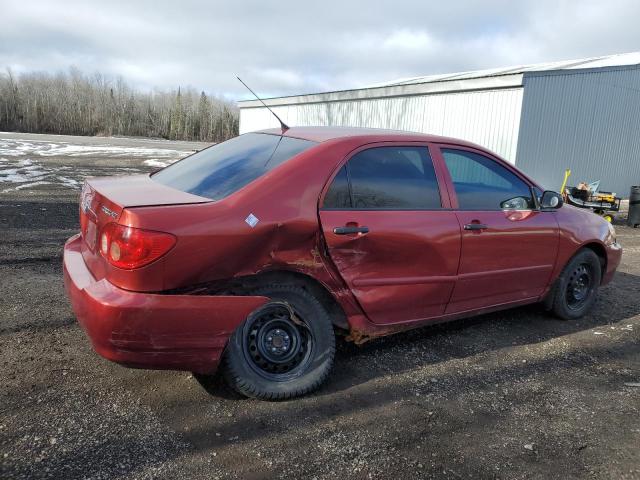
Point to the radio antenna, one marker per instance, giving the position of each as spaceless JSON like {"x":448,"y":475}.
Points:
{"x":283,"y":125}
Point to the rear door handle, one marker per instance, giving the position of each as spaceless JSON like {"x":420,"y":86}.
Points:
{"x":350,"y":230}
{"x":475,"y":226}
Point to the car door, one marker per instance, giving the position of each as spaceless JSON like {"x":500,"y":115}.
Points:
{"x":390,"y":232}
{"x":509,"y":246}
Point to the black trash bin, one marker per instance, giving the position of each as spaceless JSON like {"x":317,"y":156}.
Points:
{"x":634,"y":207}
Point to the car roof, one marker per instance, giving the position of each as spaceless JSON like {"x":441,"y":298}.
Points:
{"x":371,"y":135}
{"x":323,"y":134}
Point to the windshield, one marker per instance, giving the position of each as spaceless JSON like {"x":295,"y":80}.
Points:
{"x":224,"y":168}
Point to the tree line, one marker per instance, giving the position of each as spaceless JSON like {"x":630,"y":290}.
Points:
{"x":73,"y":103}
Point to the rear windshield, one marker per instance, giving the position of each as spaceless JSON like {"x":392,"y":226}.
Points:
{"x":222,"y":169}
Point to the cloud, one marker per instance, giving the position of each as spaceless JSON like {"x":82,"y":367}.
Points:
{"x":288,"y":48}
{"x":408,"y":40}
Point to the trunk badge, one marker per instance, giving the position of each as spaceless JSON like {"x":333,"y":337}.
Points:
{"x":109,"y":212}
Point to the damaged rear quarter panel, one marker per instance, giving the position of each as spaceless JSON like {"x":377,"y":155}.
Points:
{"x":216,"y":243}
{"x":185,"y":332}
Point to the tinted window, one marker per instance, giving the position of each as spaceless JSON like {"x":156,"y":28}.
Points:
{"x":338,"y":195}
{"x":226,"y":167}
{"x":483,"y":184}
{"x":393,"y":178}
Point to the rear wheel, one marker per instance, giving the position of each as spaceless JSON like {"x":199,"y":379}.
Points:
{"x":577,"y":286}
{"x":283,"y":349}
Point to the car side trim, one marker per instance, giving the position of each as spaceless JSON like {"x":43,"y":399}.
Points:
{"x":506,"y":270}
{"x":373,"y":282}
{"x":376,"y":282}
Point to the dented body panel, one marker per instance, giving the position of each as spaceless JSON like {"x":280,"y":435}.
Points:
{"x":185,"y":332}
{"x":413,"y":268}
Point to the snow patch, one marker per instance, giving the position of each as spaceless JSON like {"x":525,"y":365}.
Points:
{"x":154,"y":162}
{"x":25,"y":163}
{"x":27,"y":174}
{"x":21,"y":175}
{"x":25,"y":185}
{"x":68,"y":182}
{"x":17,"y":148}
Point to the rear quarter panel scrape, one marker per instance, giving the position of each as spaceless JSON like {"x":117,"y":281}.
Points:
{"x":215,"y":243}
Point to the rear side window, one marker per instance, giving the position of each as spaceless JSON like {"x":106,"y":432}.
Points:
{"x":400,"y":178}
{"x":483,"y":184}
{"x":222,"y":169}
{"x":338,"y":195}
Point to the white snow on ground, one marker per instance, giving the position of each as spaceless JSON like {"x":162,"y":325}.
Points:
{"x":16,"y":148}
{"x":20,"y":172}
{"x":25,"y":185}
{"x":24,"y":163}
{"x":154,"y":162}
{"x":27,"y":174}
{"x":68,"y":182}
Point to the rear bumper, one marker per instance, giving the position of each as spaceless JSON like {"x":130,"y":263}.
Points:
{"x":614,"y":255}
{"x":177,"y":332}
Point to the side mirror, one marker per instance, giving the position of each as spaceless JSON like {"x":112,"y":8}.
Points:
{"x":551,"y":200}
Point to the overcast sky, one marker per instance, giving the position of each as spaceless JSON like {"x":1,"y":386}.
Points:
{"x":300,"y":47}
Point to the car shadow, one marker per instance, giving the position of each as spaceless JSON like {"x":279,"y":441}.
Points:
{"x":460,"y":339}
{"x":415,"y":383}
{"x":417,"y":410}
{"x":464,"y":338}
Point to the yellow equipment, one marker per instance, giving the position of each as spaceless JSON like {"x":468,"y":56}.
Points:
{"x":567,"y":174}
{"x":601,"y":203}
{"x":605,"y":197}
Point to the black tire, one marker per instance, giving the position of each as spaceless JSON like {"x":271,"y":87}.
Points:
{"x":576,"y":288}
{"x":304,"y":346}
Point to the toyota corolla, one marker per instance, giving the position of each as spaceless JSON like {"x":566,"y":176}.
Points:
{"x":249,"y":256}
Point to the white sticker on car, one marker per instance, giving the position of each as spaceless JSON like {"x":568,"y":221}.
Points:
{"x":252,"y":220}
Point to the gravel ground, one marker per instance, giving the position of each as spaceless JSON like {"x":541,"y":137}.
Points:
{"x":516,"y":394}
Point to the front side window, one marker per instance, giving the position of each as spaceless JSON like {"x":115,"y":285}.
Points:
{"x":222,"y":169}
{"x":483,"y":184}
{"x":401,"y":178}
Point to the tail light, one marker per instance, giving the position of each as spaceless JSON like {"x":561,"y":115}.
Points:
{"x":129,"y":247}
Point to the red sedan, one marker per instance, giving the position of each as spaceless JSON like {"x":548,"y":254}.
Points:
{"x":250,"y":254}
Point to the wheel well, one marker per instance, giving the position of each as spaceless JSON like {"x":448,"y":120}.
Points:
{"x":600,"y":251}
{"x":312,"y":285}
{"x":596,"y":248}
{"x":240,"y":285}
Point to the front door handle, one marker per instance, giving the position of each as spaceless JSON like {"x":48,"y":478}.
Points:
{"x":475,"y":226}
{"x":348,"y":230}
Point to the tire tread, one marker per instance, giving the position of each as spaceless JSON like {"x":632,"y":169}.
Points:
{"x":557,"y":302}
{"x":240,"y":384}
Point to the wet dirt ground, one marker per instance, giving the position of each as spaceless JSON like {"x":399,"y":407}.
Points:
{"x":516,"y":394}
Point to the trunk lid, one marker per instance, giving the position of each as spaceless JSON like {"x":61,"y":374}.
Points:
{"x":140,"y":191}
{"x":104,"y":198}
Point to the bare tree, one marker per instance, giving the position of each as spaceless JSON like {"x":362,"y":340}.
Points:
{"x":77,"y":104}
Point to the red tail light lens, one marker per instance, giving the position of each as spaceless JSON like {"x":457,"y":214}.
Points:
{"x":129,"y":247}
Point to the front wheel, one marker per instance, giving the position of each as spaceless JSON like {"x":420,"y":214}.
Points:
{"x":284,"y":349}
{"x":577,"y":286}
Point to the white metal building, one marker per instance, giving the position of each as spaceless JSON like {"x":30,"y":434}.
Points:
{"x":578,"y":114}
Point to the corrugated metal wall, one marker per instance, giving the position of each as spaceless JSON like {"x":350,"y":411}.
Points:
{"x":588,"y":122}
{"x":489,"y":118}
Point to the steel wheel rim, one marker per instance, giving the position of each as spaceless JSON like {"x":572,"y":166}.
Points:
{"x":579,"y":286}
{"x":276,"y":347}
